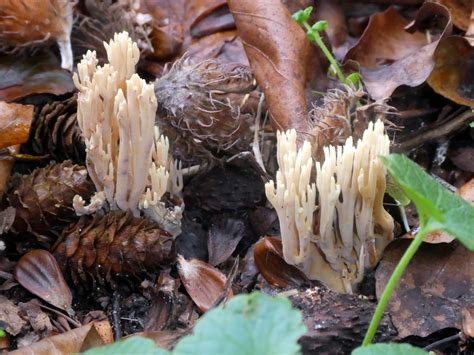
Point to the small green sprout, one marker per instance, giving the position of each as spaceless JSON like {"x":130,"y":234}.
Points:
{"x":313,"y":34}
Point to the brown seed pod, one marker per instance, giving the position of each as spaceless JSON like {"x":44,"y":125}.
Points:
{"x":330,"y":121}
{"x":103,"y":245}
{"x":28,"y":23}
{"x":55,"y":132}
{"x":43,"y":199}
{"x":268,"y":255}
{"x":105,"y":18}
{"x":199,"y":106}
{"x":39,"y":273}
{"x":204,"y":283}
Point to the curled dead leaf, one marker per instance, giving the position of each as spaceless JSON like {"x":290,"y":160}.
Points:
{"x":278,"y":50}
{"x":38,"y":272}
{"x":460,"y":11}
{"x":26,"y":75}
{"x":452,"y":75}
{"x":204,"y":283}
{"x":268,"y":255}
{"x":390,"y":57}
{"x":434,"y":289}
{"x":72,"y":341}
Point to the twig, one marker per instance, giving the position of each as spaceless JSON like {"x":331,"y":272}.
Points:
{"x":434,"y":133}
{"x":444,"y":341}
{"x":116,"y":310}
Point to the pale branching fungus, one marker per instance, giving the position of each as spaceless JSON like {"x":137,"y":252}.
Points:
{"x":127,"y":158}
{"x":336,"y":227}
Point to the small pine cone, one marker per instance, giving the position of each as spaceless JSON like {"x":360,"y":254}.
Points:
{"x":199,"y":107}
{"x":103,"y":245}
{"x":55,"y":132}
{"x":43,"y":199}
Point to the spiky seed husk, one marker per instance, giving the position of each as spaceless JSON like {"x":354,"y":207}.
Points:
{"x":101,"y":246}
{"x":56,"y":133}
{"x":104,"y":19}
{"x":43,"y":199}
{"x":199,"y":106}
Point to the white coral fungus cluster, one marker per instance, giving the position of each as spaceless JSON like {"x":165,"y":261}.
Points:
{"x":127,"y":157}
{"x":335,"y":227}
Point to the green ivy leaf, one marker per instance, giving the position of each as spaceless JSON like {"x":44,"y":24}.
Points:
{"x":248,"y":324}
{"x":438,"y":208}
{"x":389,"y":349}
{"x":132,"y":345}
{"x":302,"y":16}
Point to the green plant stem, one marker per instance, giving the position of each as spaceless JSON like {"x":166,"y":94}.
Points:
{"x":392,"y":283}
{"x":327,"y":53}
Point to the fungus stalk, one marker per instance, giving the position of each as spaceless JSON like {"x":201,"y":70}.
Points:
{"x":335,"y":227}
{"x":127,"y":157}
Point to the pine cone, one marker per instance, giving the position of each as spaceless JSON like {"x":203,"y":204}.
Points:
{"x":115,"y":243}
{"x":199,"y":107}
{"x":43,"y":199}
{"x":55,"y":132}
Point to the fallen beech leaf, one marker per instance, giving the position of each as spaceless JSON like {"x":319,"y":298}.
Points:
{"x":399,"y":63}
{"x":268,"y":255}
{"x":385,"y":40}
{"x":452,"y":75}
{"x":278,"y":50}
{"x":15,"y":123}
{"x":203,"y":282}
{"x":436,"y":286}
{"x":223,"y":238}
{"x":69,"y":342}
{"x":9,"y":316}
{"x":25,"y":75}
{"x":460,"y":11}
{"x":215,"y":19}
{"x":38,"y":272}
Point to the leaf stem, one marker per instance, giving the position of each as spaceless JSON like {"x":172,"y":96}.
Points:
{"x":319,"y":41}
{"x":392,"y":283}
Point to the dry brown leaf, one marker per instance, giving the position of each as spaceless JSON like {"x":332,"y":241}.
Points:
{"x":71,"y":341}
{"x":434,"y":289}
{"x":278,"y":50}
{"x":26,"y":75}
{"x":460,"y":11}
{"x":390,"y":57}
{"x":452,"y":75}
{"x":15,"y":123}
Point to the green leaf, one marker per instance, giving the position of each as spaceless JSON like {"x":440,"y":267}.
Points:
{"x":302,"y":16}
{"x":354,"y":79}
{"x":438,"y":208}
{"x":132,"y":345}
{"x":389,"y":349}
{"x":248,"y":324}
{"x":320,"y":26}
